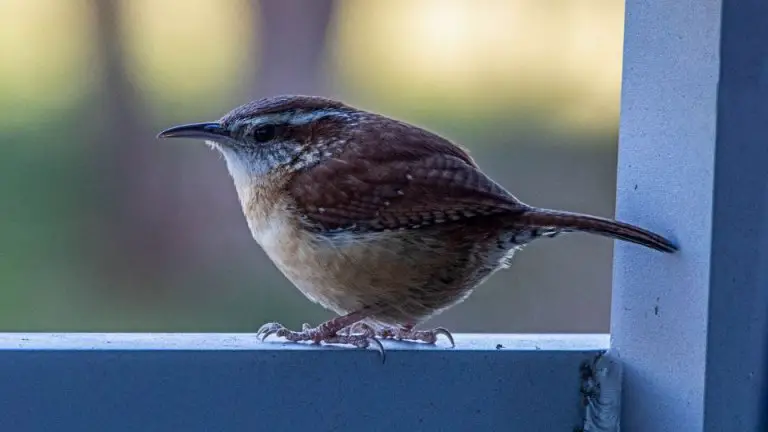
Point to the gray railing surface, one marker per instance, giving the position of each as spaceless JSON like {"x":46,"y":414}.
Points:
{"x":230,"y":382}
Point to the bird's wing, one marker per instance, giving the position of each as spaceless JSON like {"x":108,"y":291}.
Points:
{"x":367,"y":190}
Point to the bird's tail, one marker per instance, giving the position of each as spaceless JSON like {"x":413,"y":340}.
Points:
{"x":560,"y":221}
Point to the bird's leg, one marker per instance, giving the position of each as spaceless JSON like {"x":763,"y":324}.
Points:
{"x":327,"y":332}
{"x":409,"y":334}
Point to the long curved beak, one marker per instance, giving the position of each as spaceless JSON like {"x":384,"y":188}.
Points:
{"x":210,"y":130}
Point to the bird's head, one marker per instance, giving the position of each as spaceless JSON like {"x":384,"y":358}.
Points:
{"x":273,"y":136}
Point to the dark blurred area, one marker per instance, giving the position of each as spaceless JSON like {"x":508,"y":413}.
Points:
{"x":105,"y":228}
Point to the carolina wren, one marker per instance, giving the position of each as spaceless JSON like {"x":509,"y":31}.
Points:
{"x":380,"y":221}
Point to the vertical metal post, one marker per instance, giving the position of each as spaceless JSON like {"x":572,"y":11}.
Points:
{"x":693,"y":163}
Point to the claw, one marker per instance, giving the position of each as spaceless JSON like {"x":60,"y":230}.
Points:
{"x":379,"y":347}
{"x":268,"y":329}
{"x":442,"y":331}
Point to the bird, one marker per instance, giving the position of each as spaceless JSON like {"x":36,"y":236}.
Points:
{"x":382,"y":222}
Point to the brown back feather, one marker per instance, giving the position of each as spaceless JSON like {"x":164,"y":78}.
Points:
{"x":390,"y":178}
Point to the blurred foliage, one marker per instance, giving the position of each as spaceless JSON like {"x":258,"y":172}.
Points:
{"x":103,"y":228}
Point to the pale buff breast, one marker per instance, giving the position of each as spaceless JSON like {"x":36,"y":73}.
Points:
{"x":338,"y":274}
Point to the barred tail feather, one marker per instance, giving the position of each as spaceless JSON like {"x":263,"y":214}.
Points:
{"x":560,"y":221}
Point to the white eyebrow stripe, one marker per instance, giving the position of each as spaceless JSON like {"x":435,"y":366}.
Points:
{"x":297,"y":118}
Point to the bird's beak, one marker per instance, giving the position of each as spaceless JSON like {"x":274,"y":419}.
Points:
{"x":210,"y":131}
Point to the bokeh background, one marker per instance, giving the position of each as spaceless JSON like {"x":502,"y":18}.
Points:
{"x":105,"y":228}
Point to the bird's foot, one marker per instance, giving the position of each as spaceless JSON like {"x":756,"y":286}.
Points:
{"x":405,"y":333}
{"x":409,"y":334}
{"x":327,"y":332}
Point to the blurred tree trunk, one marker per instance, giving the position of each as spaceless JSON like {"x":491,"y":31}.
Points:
{"x":139,"y":238}
{"x":293,"y":45}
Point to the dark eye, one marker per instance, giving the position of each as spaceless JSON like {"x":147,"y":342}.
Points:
{"x":264,"y":133}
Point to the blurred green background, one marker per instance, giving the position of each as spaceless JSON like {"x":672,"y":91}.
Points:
{"x":105,"y":228}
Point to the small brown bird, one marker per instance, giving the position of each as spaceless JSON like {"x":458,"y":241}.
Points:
{"x":380,"y":221}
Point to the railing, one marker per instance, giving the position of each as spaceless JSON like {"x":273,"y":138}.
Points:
{"x":231,"y":382}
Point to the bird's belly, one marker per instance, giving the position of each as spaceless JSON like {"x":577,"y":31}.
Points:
{"x":331,"y":275}
{"x":399,"y":277}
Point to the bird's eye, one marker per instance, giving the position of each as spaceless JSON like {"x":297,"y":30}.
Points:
{"x":264,"y":133}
